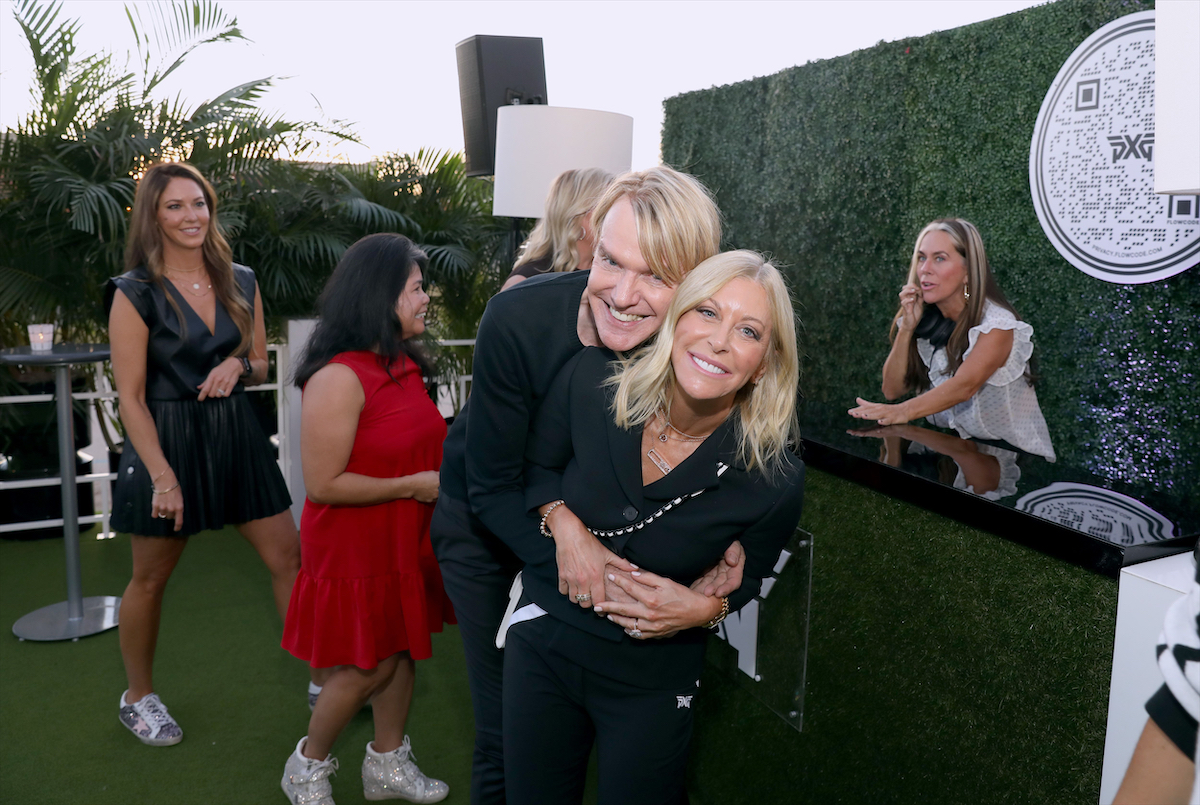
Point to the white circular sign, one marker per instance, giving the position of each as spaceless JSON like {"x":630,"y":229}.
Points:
{"x":1091,"y":163}
{"x":1103,"y":513}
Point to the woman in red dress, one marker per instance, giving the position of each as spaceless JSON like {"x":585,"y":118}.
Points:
{"x":369,"y":591}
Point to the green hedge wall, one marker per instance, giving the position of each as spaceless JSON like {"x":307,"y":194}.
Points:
{"x":833,"y":167}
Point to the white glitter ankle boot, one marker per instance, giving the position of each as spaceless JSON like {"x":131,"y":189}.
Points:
{"x":306,"y":781}
{"x":394,"y":775}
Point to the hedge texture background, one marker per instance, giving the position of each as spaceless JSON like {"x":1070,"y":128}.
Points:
{"x":834,"y":166}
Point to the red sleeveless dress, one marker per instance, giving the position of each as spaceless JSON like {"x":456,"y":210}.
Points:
{"x":369,"y":585}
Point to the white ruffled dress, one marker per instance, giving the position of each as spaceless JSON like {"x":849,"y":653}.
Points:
{"x":1006,"y":407}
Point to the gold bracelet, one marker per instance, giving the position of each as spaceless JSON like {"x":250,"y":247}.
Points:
{"x":165,"y":491}
{"x":545,"y":531}
{"x":712,"y":624}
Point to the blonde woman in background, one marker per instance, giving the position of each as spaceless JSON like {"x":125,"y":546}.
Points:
{"x":563,"y":240}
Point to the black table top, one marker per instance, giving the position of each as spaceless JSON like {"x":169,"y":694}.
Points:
{"x":1066,"y":511}
{"x":59,"y":355}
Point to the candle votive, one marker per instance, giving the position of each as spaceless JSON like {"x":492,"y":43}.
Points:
{"x":41,"y":337}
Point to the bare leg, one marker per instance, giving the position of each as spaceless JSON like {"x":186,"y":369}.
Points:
{"x":391,"y":704}
{"x":344,"y":694}
{"x":154,"y":559}
{"x":278,"y":544}
{"x":1158,"y":774}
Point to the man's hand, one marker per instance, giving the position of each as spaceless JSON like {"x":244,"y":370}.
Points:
{"x":725,"y":576}
{"x":583,"y":562}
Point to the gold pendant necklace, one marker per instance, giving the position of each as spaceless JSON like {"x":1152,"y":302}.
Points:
{"x":195,"y":287}
{"x":659,"y":461}
{"x":662,"y":437}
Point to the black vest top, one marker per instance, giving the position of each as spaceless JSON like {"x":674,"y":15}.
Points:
{"x":179,"y":358}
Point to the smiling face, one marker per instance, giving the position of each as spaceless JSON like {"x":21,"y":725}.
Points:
{"x":182,"y":215}
{"x":721,"y":344}
{"x":412,"y":304}
{"x":941,"y":271}
{"x":626,"y":299}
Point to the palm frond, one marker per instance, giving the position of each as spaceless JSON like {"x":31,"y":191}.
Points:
{"x":173,"y":30}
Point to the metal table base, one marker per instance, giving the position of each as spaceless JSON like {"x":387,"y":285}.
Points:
{"x":77,"y":616}
{"x":54,"y":622}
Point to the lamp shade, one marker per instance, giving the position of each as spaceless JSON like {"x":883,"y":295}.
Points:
{"x":534,"y":144}
{"x":1177,"y":98}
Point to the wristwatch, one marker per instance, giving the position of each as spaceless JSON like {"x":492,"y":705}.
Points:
{"x":247,"y":369}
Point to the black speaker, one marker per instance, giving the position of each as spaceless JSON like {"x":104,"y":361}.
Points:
{"x":495,"y":71}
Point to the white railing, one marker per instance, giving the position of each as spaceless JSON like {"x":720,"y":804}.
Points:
{"x":103,"y":475}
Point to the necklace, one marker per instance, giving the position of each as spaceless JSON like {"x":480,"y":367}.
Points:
{"x":183,"y":270}
{"x":195,"y":286}
{"x":662,"y":437}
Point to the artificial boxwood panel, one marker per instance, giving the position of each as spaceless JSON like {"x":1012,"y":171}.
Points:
{"x":833,"y":167}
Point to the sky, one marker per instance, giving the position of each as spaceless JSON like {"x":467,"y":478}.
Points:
{"x":389,"y":68}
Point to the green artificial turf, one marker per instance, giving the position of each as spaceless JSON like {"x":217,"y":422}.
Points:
{"x":240,"y":698}
{"x":945,"y":665}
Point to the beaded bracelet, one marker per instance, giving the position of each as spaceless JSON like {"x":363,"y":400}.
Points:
{"x":545,"y":531}
{"x":712,"y":624}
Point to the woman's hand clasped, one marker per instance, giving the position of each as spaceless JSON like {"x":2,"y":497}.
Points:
{"x":583,"y":561}
{"x":221,"y":379}
{"x":660,"y":607}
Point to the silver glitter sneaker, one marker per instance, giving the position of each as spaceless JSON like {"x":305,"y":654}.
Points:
{"x":149,"y":720}
{"x":394,"y":775}
{"x":306,"y":781}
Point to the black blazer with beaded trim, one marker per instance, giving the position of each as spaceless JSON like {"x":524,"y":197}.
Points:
{"x":576,"y":452}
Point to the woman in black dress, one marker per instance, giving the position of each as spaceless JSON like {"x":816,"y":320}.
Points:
{"x":667,"y":457}
{"x":186,"y":326}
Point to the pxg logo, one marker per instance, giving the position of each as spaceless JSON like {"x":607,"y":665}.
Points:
{"x":1138,"y":146}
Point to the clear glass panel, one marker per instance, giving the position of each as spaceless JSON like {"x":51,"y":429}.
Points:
{"x":764,"y":647}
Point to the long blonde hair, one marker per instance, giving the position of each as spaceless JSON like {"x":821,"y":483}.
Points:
{"x":981,"y":286}
{"x":678,"y":223}
{"x":766,"y":410}
{"x":143,"y":247}
{"x":572,"y":196}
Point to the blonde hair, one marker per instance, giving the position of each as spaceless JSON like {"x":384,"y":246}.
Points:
{"x":981,"y":285}
{"x":678,"y":223}
{"x":143,"y":247}
{"x":765,"y":410}
{"x":572,"y":195}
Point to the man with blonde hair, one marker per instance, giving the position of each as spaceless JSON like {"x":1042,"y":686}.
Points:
{"x":652,"y":228}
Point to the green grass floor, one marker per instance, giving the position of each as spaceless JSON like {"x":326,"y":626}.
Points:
{"x":945,"y":665}
{"x":240,"y":698}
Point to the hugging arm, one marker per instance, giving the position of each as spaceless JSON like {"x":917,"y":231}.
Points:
{"x":498,"y":420}
{"x":580,"y":559}
{"x":661,"y":607}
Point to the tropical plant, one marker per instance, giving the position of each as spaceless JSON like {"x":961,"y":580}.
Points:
{"x":67,"y":172}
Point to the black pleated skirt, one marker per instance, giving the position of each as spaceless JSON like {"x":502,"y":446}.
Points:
{"x":223,"y":462}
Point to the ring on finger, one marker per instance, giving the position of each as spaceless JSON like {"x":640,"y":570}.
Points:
{"x":583,"y":597}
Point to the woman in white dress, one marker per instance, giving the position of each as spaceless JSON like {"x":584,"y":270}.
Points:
{"x":960,"y":347}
